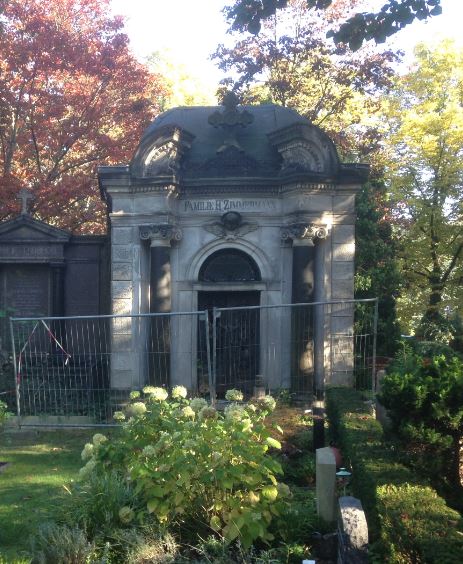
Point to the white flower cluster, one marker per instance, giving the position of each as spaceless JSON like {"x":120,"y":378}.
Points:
{"x":187,"y":412}
{"x":179,"y":392}
{"x":207,"y":412}
{"x":135,"y":394}
{"x":86,"y":470}
{"x":197,"y":404}
{"x":87,"y":452}
{"x":137,"y":408}
{"x":234,"y":395}
{"x":118,"y":416}
{"x":98,"y":439}
{"x":235,"y":412}
{"x":157,"y":394}
{"x":267,"y":403}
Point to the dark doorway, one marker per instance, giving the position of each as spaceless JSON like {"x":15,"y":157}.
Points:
{"x":237,"y":338}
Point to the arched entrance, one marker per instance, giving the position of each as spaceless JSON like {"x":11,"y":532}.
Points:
{"x":229,"y":277}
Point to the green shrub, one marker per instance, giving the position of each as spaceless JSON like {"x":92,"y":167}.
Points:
{"x":378,"y":472}
{"x":424,"y":402}
{"x":418,"y":525}
{"x":195,"y":468}
{"x":60,"y":544}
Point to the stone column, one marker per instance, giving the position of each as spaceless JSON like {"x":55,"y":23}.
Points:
{"x":161,"y":329}
{"x":307,"y":286}
{"x":319,"y":316}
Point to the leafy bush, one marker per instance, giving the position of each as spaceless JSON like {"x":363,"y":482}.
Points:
{"x":424,"y":402}
{"x":378,"y":472}
{"x":195,"y":468}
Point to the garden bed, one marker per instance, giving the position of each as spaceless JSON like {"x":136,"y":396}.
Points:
{"x":43,"y":462}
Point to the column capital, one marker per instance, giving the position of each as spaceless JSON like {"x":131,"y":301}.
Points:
{"x":160,"y":234}
{"x":303,"y":232}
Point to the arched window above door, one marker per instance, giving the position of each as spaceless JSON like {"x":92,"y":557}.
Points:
{"x":229,"y":265}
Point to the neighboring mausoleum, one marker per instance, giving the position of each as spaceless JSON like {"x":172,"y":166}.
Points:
{"x":45,"y":271}
{"x":231,"y":206}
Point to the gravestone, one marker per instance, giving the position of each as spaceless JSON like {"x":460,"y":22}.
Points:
{"x":352,"y":531}
{"x":326,"y":484}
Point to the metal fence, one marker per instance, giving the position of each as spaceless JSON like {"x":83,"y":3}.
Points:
{"x":79,"y":370}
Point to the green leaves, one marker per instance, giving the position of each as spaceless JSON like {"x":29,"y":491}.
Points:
{"x":216,"y":475}
{"x":273,"y":442}
{"x":247,"y":15}
{"x":425,"y":405}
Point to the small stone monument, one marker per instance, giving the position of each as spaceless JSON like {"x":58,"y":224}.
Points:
{"x":353,"y":531}
{"x":326,"y":484}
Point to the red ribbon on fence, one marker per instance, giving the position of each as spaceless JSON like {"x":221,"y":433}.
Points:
{"x":50,"y":333}
{"x":68,"y":356}
{"x":18,"y":375}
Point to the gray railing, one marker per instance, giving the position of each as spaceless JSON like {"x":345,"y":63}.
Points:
{"x":79,"y":370}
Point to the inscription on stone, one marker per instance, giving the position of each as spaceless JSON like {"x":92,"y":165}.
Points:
{"x":27,"y":291}
{"x":24,"y":251}
{"x":224,"y":205}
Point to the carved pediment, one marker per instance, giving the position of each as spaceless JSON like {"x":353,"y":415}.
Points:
{"x":25,"y":229}
{"x":301,"y":156}
{"x":161,"y":155}
{"x":305,"y":149}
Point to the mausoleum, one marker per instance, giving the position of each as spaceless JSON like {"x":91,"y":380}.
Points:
{"x":232,"y":206}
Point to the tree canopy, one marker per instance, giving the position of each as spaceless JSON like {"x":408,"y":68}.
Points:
{"x":426,"y":178}
{"x":71,"y":96}
{"x":292,"y":63}
{"x":394,"y":15}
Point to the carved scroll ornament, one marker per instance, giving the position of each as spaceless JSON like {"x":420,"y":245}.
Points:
{"x":300,"y":231}
{"x":161,"y":233}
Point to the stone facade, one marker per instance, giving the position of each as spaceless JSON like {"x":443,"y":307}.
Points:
{"x":46,"y":272}
{"x":260,"y":180}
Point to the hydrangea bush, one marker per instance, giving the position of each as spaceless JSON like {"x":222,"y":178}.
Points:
{"x":192,"y":464}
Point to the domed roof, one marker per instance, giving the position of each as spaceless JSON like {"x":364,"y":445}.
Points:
{"x":234,"y":141}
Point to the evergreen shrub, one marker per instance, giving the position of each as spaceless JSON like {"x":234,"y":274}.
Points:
{"x":402,"y":510}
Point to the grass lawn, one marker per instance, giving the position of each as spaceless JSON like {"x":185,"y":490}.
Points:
{"x":32,"y":485}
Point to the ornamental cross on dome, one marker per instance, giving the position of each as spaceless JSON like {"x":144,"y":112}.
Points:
{"x":230,"y":120}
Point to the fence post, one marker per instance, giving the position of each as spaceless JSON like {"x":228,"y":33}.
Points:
{"x":375,"y":332}
{"x":208,"y":355}
{"x":213,"y":391}
{"x":15,"y":370}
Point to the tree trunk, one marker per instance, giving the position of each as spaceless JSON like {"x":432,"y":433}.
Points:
{"x":457,"y":462}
